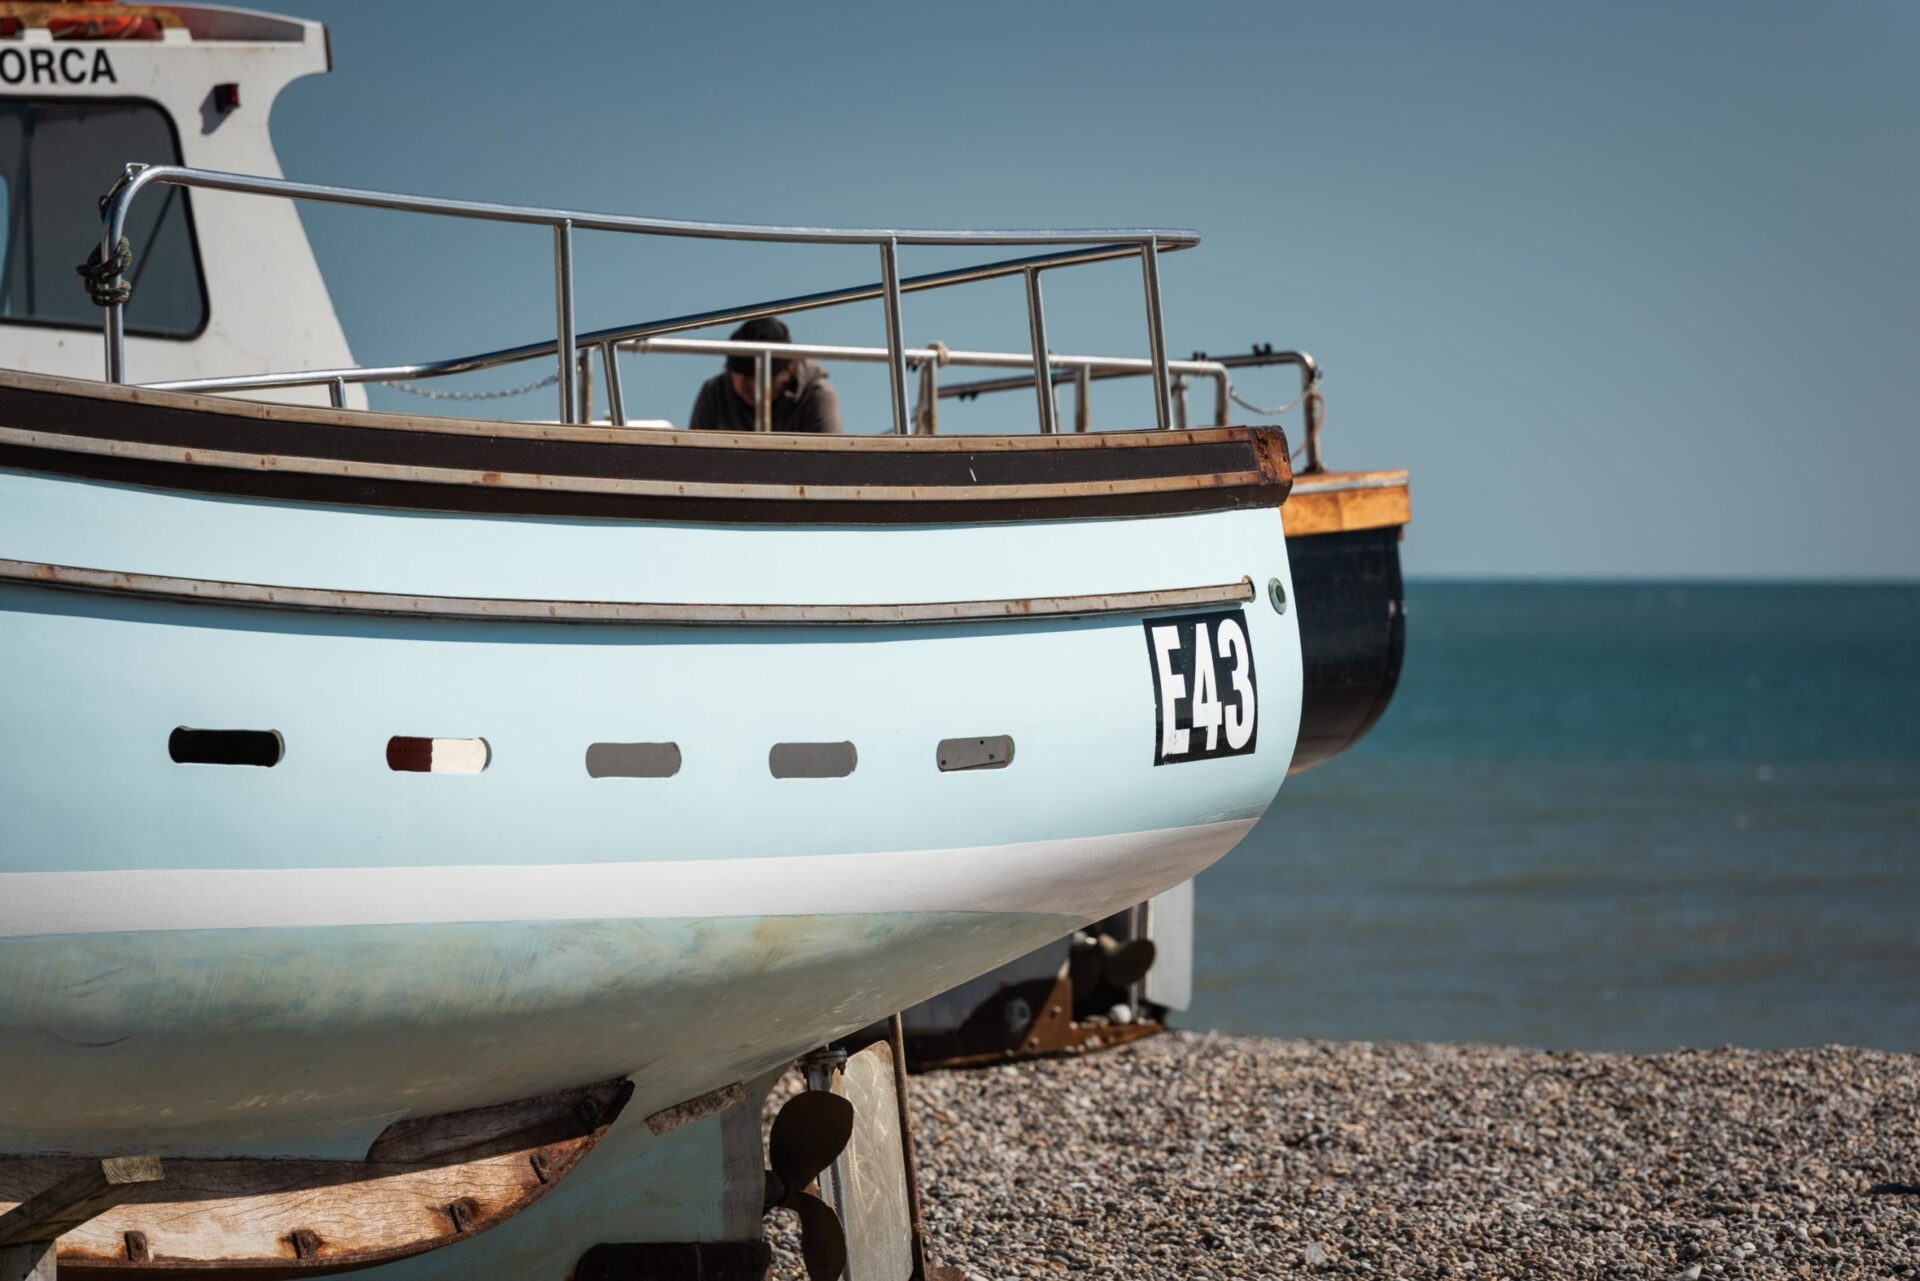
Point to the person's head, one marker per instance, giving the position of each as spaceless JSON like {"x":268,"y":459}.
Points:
{"x":740,"y":368}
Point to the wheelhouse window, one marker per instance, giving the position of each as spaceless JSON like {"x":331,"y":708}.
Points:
{"x":57,"y":158}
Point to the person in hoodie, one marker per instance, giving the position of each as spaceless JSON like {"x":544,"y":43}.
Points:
{"x":802,"y":399}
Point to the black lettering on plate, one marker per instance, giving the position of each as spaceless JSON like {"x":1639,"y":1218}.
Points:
{"x":1204,"y":698}
{"x":50,"y":67}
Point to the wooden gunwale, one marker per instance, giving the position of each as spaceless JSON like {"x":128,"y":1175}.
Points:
{"x":178,"y":441}
{"x":201,"y":591}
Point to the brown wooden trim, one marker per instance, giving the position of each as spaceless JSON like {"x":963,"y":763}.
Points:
{"x":96,"y":431}
{"x":266,"y":1218}
{"x":204,"y":591}
{"x":288,"y":464}
{"x":1342,"y":502}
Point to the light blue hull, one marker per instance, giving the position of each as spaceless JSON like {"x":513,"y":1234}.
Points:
{"x":215,"y":959}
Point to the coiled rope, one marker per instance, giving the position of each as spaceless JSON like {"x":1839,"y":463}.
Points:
{"x":104,"y":279}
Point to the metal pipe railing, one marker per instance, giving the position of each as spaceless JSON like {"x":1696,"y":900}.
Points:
{"x":1095,"y":245}
{"x":925,"y":359}
{"x":1262,"y":355}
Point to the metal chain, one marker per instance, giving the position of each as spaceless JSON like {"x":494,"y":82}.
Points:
{"x":433,"y":393}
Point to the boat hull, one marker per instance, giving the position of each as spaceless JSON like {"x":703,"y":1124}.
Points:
{"x":223,"y":959}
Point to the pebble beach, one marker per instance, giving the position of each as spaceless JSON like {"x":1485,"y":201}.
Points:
{"x":1213,"y":1156}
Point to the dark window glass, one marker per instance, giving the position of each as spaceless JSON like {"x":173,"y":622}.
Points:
{"x":57,"y":158}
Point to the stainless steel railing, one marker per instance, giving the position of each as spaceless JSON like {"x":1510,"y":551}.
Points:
{"x":1077,"y":246}
{"x":1262,"y":355}
{"x":927,"y":362}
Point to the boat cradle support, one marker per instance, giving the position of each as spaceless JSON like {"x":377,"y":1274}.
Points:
{"x":425,"y":1182}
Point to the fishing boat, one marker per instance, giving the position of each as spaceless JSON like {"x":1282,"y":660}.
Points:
{"x":423,"y":841}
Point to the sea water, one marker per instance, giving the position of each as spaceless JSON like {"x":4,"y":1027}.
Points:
{"x":1600,"y":817}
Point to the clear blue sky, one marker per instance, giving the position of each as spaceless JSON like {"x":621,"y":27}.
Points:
{"x":1632,"y":288}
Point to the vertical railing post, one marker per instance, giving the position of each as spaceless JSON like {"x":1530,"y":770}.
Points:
{"x":1156,"y":337}
{"x":114,"y":321}
{"x":896,"y":346}
{"x":1042,"y":367}
{"x":563,"y":309}
{"x":116,"y":343}
{"x":926,"y":410}
{"x":763,"y":391}
{"x":616,"y":399}
{"x":1180,"y":402}
{"x":1222,"y":395}
{"x":1311,"y":410}
{"x":1082,"y":398}
{"x":337,"y":393}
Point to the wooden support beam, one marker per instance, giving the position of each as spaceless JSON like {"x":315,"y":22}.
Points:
{"x":32,"y":1262}
{"x":78,"y":1198}
{"x":29,"y":1231}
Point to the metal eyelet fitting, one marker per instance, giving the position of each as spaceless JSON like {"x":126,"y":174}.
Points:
{"x":1277,"y":594}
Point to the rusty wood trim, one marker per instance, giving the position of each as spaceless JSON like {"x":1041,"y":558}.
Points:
{"x":260,"y":1219}
{"x":633,"y":487}
{"x":639,"y":438}
{"x":1346,"y":502}
{"x":203,"y":591}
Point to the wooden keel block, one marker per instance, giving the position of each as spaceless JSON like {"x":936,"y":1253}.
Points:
{"x":77,"y":1199}
{"x":429,"y":1182}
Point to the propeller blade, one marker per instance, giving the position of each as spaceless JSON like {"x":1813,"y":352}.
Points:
{"x":1125,"y":964}
{"x":808,"y":1133}
{"x":1083,"y":966}
{"x":823,"y":1242}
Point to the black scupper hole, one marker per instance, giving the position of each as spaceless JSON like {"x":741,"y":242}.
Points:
{"x":262,"y":747}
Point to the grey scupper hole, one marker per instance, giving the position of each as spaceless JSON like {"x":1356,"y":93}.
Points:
{"x":995,"y":752}
{"x":811,"y":760}
{"x":259,"y":747}
{"x":633,"y":760}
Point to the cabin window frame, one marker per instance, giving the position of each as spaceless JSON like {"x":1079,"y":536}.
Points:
{"x":133,"y":330}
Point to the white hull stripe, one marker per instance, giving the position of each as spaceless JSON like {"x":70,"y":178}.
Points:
{"x":1081,"y":877}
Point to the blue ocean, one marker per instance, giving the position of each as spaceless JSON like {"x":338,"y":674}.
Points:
{"x":1611,"y":816}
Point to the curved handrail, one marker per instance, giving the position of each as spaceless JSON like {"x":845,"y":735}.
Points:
{"x":1147,"y":242}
